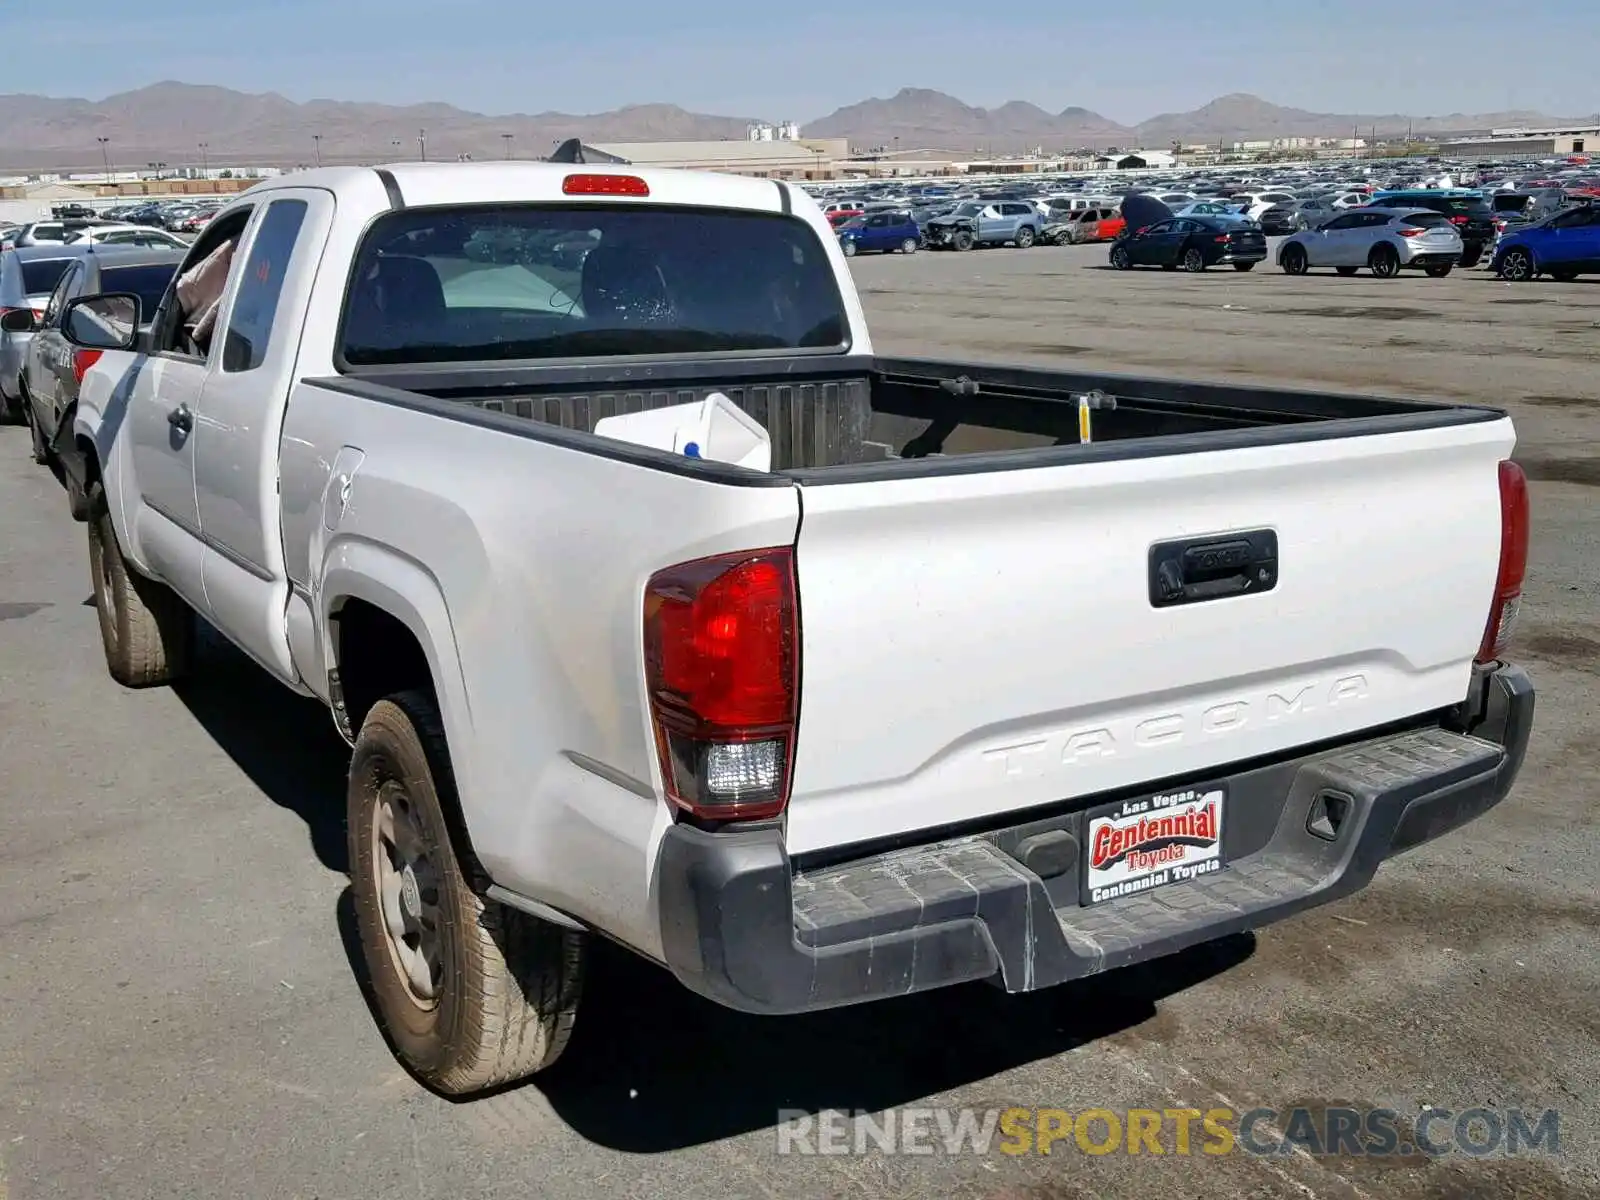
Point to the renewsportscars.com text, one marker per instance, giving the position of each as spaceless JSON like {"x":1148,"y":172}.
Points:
{"x":1332,"y":1131}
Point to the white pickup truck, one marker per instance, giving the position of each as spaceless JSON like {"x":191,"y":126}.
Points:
{"x":951,"y":692}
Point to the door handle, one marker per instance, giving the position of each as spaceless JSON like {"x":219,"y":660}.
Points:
{"x":181,"y":418}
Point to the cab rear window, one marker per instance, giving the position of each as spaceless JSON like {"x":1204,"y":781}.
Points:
{"x":40,"y":275}
{"x":484,"y":284}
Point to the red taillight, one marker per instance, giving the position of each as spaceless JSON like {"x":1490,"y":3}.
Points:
{"x":1223,"y":237}
{"x":1410,"y":232}
{"x":82,"y":360}
{"x":1513,"y":562}
{"x":722,"y":668}
{"x":604,"y":185}
{"x":1458,"y":220}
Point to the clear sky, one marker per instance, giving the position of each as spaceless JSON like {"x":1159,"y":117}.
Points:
{"x":1128,"y":59}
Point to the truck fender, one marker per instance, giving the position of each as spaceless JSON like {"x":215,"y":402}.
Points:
{"x":361,"y":570}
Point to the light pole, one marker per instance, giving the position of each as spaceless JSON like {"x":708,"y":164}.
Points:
{"x":422,"y":145}
{"x":508,"y":137}
{"x":205,"y":161}
{"x":316,"y":139}
{"x":105,"y":155}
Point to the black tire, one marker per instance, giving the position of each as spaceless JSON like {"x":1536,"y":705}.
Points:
{"x":964,"y":240}
{"x":1438,"y":270}
{"x":146,"y":628}
{"x":508,"y":984}
{"x":1517,"y":266}
{"x":1346,"y":271}
{"x":41,"y":448}
{"x":1025,"y":237}
{"x":1244,"y":266}
{"x":1194,"y":260}
{"x":1120,"y":259}
{"x":1383,"y":262}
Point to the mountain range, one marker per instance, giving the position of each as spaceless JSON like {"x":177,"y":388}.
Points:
{"x":183,"y":124}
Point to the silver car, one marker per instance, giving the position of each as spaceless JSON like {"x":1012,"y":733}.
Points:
{"x":1384,"y":240}
{"x":27,"y":277}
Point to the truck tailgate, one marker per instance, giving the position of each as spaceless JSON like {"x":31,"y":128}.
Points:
{"x":979,"y":642}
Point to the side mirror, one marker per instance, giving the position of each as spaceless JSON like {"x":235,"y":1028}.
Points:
{"x":109,"y":321}
{"x":18,"y":320}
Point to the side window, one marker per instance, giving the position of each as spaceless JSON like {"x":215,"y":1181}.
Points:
{"x":1162,"y":227}
{"x":260,"y":284}
{"x":1340,"y":223}
{"x":52,"y":309}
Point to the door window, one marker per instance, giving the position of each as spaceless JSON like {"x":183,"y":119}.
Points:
{"x":52,"y":310}
{"x":255,"y":304}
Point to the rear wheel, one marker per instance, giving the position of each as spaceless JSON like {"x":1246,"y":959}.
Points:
{"x":1120,"y":259}
{"x":1438,"y":270}
{"x":146,"y":628}
{"x":1024,"y":237}
{"x":1517,"y":266}
{"x":909,"y":246}
{"x":1383,"y":262}
{"x":1193,"y":260}
{"x":1244,"y":266}
{"x":1293,"y":260}
{"x":472,"y":994}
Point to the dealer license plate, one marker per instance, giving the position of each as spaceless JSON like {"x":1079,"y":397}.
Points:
{"x":1137,"y":845}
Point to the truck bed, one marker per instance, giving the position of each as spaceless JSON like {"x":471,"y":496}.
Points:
{"x":838,"y":419}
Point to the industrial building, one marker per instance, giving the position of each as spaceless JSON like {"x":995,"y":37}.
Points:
{"x":1554,"y":141}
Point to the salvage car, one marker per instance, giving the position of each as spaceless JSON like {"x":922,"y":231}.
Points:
{"x":1383,"y":240}
{"x":976,"y":223}
{"x":606,"y":686}
{"x":880,"y":233}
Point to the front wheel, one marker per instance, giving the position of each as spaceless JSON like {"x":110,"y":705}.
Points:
{"x":1293,"y":260}
{"x":472,"y":994}
{"x":1438,"y":270}
{"x":1024,"y":237}
{"x":909,"y":246}
{"x":1383,"y":262}
{"x":1120,"y":259}
{"x":850,"y":250}
{"x":1517,"y":266}
{"x":145,"y":627}
{"x":964,"y":241}
{"x":1244,"y":266}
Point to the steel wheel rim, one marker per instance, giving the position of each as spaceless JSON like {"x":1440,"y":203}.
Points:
{"x":407,"y":887}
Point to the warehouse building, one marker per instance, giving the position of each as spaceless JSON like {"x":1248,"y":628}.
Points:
{"x":788,"y":158}
{"x":1548,"y":142}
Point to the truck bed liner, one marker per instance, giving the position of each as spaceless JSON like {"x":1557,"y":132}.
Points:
{"x":831,"y":413}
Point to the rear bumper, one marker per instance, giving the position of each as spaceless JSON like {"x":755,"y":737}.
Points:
{"x":1433,"y":259}
{"x":741,"y":926}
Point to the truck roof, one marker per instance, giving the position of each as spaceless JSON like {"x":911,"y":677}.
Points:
{"x":416,"y":184}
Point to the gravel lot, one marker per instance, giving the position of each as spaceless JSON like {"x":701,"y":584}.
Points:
{"x":175,"y":943}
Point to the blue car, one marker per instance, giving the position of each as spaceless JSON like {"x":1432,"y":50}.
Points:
{"x":1563,"y":247}
{"x":881,"y":232}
